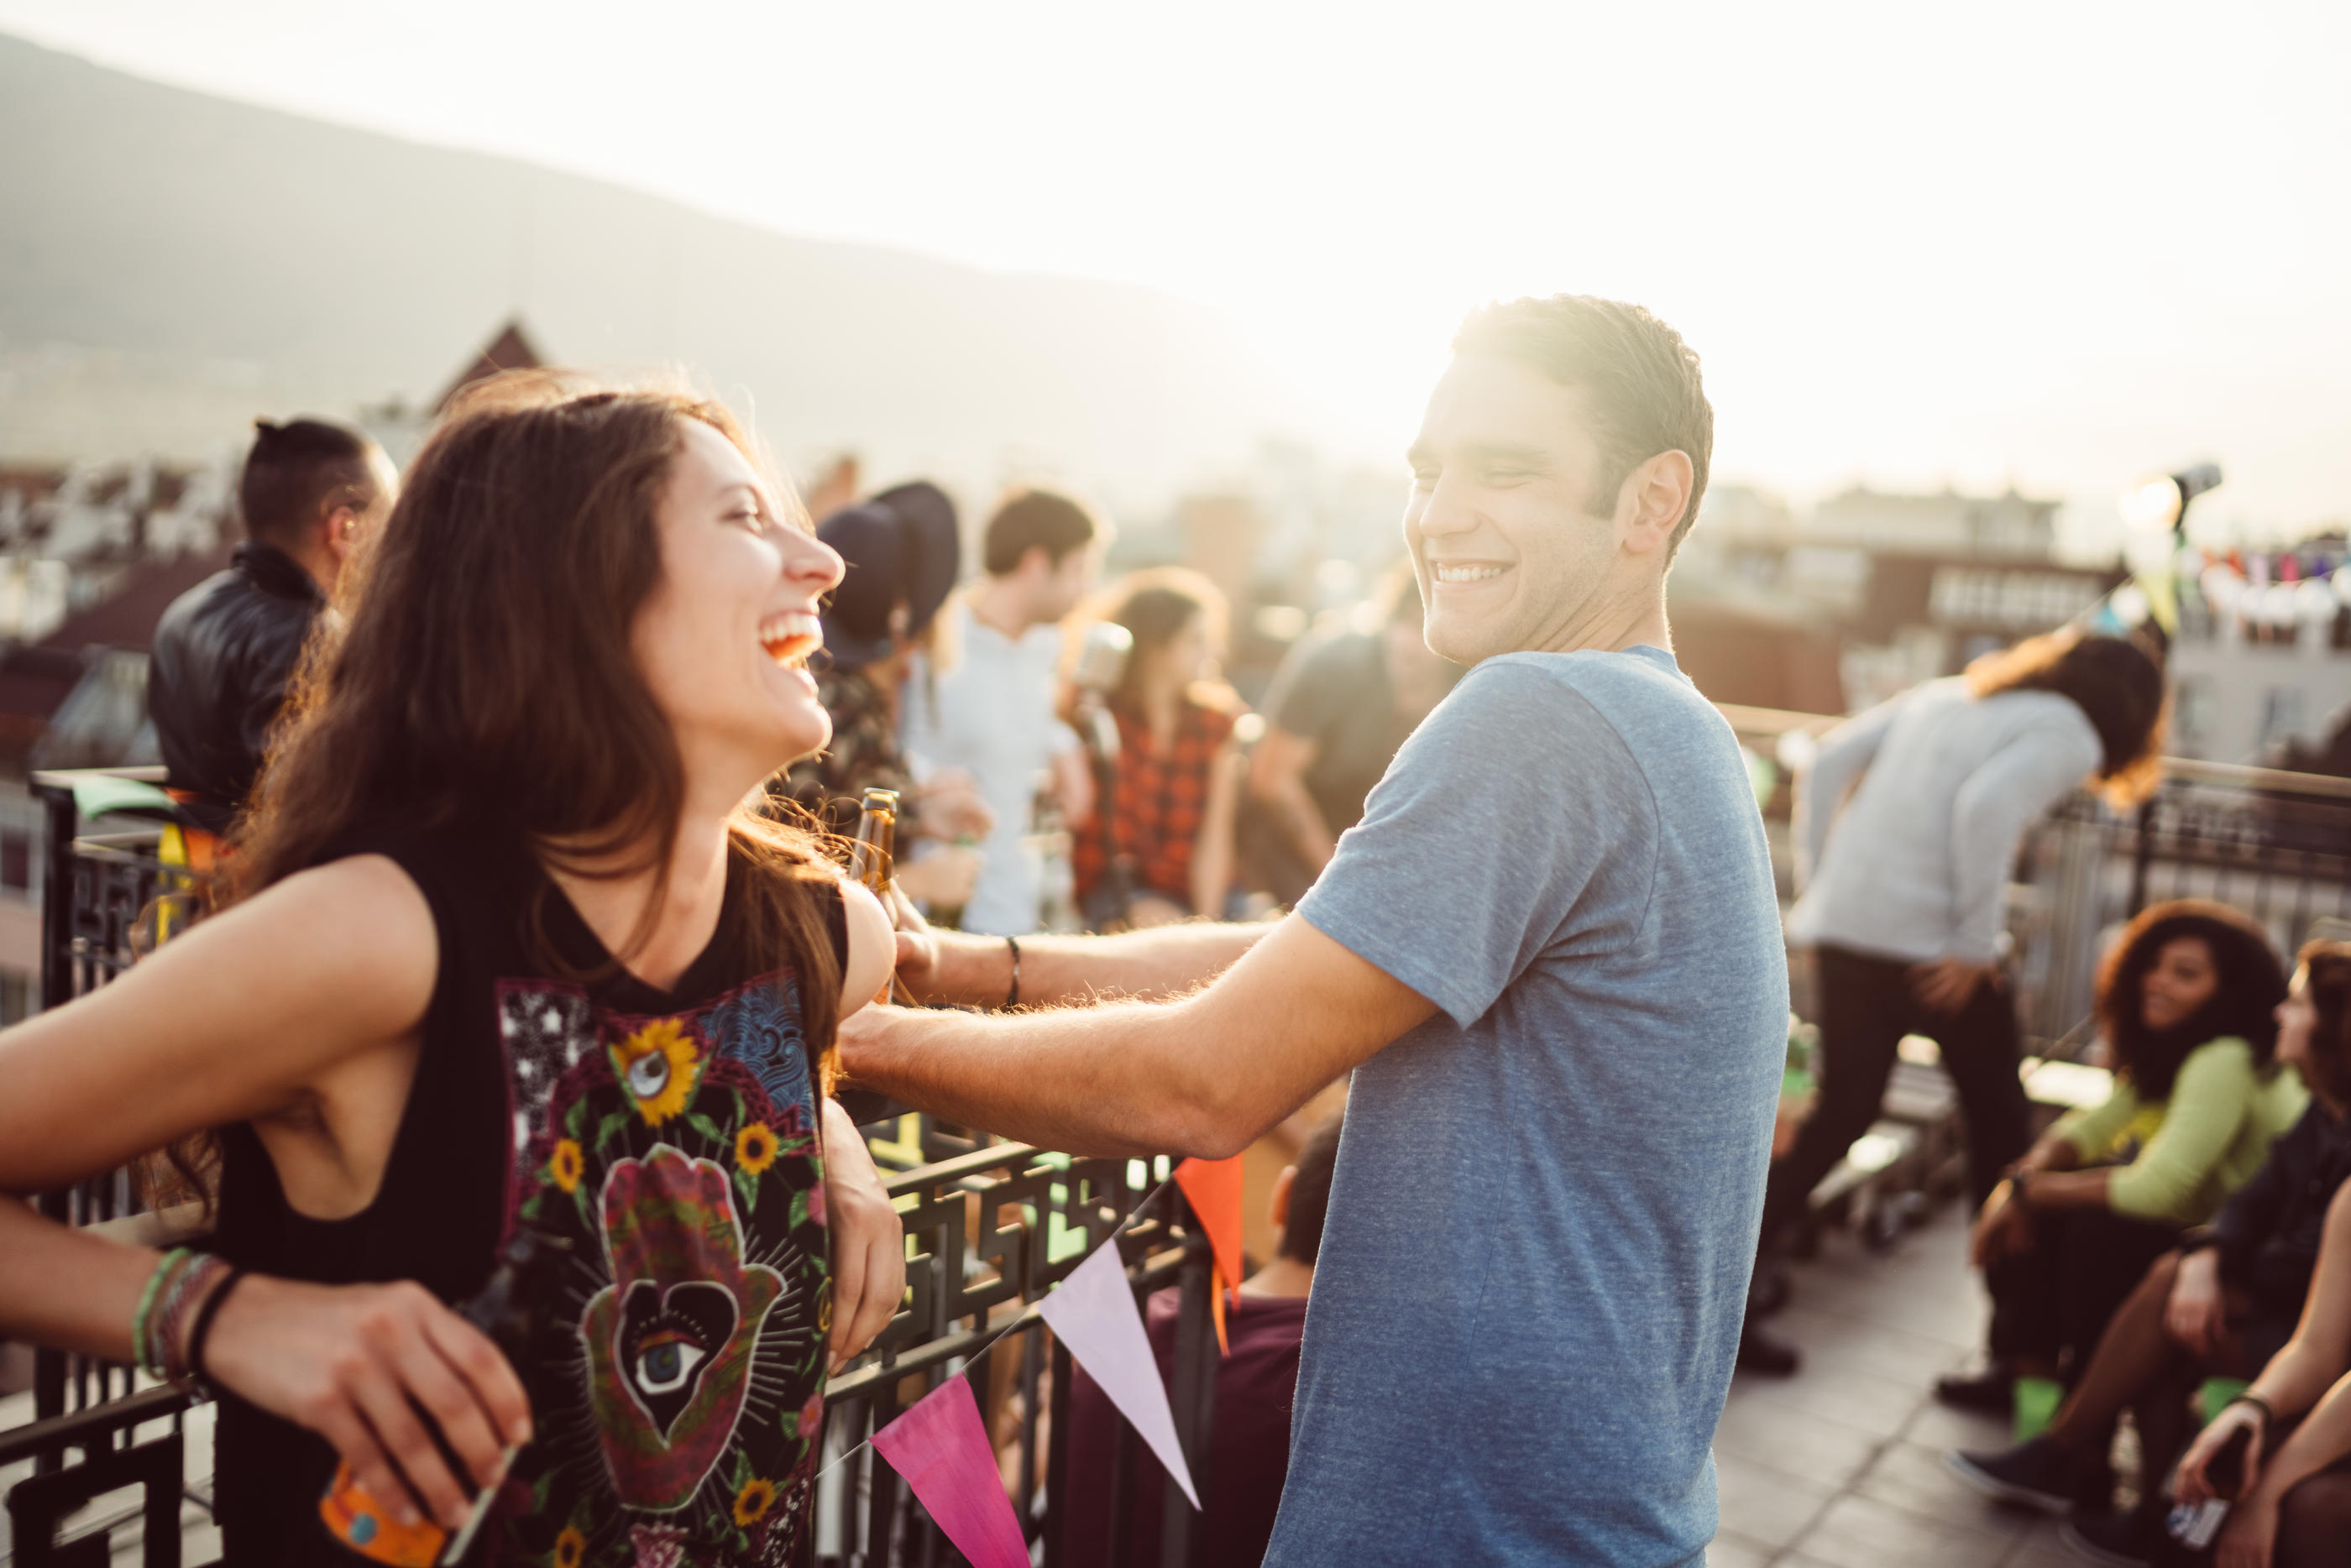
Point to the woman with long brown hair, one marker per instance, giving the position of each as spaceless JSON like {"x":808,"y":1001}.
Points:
{"x":1902,"y":888}
{"x":510,"y":968}
{"x":1159,"y":845}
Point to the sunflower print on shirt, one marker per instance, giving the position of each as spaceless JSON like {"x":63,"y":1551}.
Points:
{"x":677,"y":1375}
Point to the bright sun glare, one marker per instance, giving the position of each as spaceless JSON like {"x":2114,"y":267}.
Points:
{"x":2064,"y":246}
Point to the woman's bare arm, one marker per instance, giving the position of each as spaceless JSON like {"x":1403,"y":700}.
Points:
{"x":247,"y":1015}
{"x":257,"y":1011}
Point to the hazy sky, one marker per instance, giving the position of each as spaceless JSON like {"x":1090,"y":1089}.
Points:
{"x":2065,"y":244}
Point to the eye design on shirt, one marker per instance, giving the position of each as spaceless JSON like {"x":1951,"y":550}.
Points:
{"x":663,"y":1359}
{"x":667,"y":1338}
{"x":648,"y":1075}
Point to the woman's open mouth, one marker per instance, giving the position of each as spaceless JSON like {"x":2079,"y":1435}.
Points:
{"x":791,"y":637}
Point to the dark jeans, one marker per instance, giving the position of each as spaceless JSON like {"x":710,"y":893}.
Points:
{"x":1865,"y":1009}
{"x":2052,"y":1300}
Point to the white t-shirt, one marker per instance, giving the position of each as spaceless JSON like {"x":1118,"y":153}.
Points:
{"x":992,"y":716}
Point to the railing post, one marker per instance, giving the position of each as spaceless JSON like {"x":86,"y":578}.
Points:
{"x":58,"y":893}
{"x":2143,"y":856}
{"x":1192,"y":1398}
{"x":1057,"y":1453}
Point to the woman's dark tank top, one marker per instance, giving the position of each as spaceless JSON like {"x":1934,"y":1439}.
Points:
{"x":667,"y":1142}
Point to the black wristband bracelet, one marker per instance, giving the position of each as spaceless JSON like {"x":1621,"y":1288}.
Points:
{"x":2249,"y":1397}
{"x":1012,"y":991}
{"x":201,"y":1329}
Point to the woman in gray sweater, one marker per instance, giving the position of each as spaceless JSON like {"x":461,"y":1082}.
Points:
{"x":1901,"y":892}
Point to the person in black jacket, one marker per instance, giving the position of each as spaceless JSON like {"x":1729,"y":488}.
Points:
{"x":2221,"y":1305}
{"x":225,"y":650}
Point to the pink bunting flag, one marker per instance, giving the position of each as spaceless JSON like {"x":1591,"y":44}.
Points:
{"x":1094,"y":1312}
{"x":940,"y":1446}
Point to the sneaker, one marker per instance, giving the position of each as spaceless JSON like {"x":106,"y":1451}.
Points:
{"x":2038,"y":1474}
{"x":2120,"y":1540}
{"x":1759,"y":1353}
{"x":1991,"y":1391}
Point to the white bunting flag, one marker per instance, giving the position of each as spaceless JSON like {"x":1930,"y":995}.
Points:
{"x":1094,"y":1312}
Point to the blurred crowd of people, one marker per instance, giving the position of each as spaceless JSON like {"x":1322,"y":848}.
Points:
{"x":1067,"y":752}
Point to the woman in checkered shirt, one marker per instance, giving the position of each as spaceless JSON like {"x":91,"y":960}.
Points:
{"x":1160,"y":847}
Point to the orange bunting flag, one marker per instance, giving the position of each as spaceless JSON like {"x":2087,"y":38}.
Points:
{"x":1213,"y":1188}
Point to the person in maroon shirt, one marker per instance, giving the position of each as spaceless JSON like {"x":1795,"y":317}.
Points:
{"x":1249,"y":1451}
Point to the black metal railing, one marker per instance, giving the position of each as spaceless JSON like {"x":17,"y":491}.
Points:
{"x":2276,"y":846}
{"x":990,"y":1228}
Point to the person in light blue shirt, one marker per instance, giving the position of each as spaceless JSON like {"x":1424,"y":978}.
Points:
{"x":1551,"y":954}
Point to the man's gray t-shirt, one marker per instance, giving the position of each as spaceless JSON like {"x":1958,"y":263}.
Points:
{"x":1545,"y":1205}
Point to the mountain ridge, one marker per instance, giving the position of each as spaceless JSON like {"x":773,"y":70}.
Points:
{"x":173,"y":263}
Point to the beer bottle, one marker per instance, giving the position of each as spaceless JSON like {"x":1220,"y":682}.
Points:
{"x":871,"y":856}
{"x":872,"y":861}
{"x":524,"y":1274}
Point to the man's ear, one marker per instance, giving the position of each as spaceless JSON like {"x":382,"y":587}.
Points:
{"x":338,"y":532}
{"x":1278,"y":1210}
{"x":1651,"y":504}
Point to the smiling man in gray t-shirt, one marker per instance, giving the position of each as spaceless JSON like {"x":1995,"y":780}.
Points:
{"x":1550,"y":952}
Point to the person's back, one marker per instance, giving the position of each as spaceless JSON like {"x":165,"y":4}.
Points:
{"x":225,"y":650}
{"x":1548,"y":1193}
{"x":223,"y":653}
{"x":1909,"y":870}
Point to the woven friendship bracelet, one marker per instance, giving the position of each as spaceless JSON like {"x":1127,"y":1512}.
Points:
{"x":143,"y":1341}
{"x":198,"y":1283}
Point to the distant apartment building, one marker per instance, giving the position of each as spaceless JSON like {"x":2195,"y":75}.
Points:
{"x":2262,"y":667}
{"x":1869,"y":594}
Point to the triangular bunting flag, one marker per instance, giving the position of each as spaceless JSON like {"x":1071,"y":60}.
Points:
{"x":940,"y":1446}
{"x":1094,"y":1312}
{"x":1214,"y":1190}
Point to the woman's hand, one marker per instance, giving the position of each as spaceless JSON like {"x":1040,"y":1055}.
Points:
{"x":2250,"y":1535}
{"x":1945,"y":985}
{"x":950,"y":806}
{"x":2003,"y":1227}
{"x":2191,"y":1484}
{"x":2197,"y":1314}
{"x":869,"y":1242}
{"x":355,"y":1363}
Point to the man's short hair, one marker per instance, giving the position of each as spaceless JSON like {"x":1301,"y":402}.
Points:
{"x":1310,"y":1193}
{"x":297,"y":472}
{"x":1036,"y":519}
{"x":1639,"y":379}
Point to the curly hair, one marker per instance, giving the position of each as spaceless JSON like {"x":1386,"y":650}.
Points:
{"x":2244,"y":1004}
{"x":2327,"y":968}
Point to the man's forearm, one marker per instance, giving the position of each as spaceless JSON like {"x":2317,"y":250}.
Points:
{"x":1166,"y":960}
{"x":1091,"y":1081}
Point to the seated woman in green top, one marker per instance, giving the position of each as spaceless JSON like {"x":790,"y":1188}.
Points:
{"x":2185,"y":1002}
